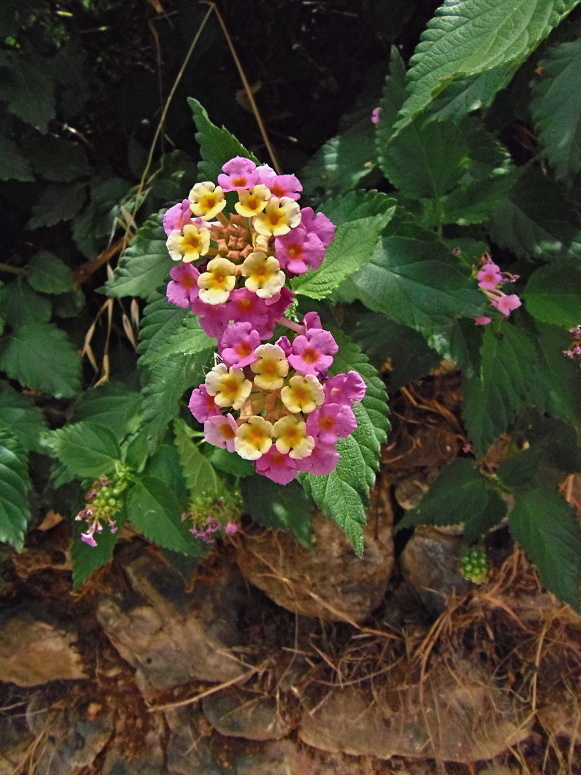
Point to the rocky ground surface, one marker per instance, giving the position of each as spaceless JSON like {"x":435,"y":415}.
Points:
{"x":270,"y":659}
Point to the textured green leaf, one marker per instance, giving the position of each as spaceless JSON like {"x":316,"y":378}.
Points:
{"x":57,"y":159}
{"x":14,"y":487}
{"x":170,"y":378}
{"x":112,"y":405}
{"x":164,"y":465}
{"x":493,"y":400}
{"x":536,"y":219}
{"x":87,"y":559}
{"x":28,"y":90}
{"x":20,"y":305}
{"x":417,"y":284}
{"x":476,"y":201}
{"x":553,"y":294}
{"x":187,"y":339}
{"x":88,"y":450}
{"x":479,"y":523}
{"x":278,"y":506}
{"x":458,"y":341}
{"x":521,"y":469}
{"x":356,"y":205}
{"x":470,"y":93}
{"x":13,"y":164}
{"x":231,"y":463}
{"x":217,"y":146}
{"x":145,"y":264}
{"x":24,"y":419}
{"x":48,"y":274}
{"x":548,"y":530}
{"x":199,"y":473}
{"x":467,"y":37}
{"x":344,"y":493}
{"x":41,"y":357}
{"x":459,"y":493}
{"x":556,"y":387}
{"x":155,"y":511}
{"x":58,"y":202}
{"x":350,"y":250}
{"x":556,"y":107}
{"x":160,"y":319}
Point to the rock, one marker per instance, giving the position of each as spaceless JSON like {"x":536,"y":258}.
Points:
{"x":330,"y":582}
{"x":430,"y":563}
{"x":186,"y":758}
{"x":561,"y":715}
{"x":15,"y":744}
{"x":151,"y":761}
{"x":276,"y":758}
{"x":460,"y":716}
{"x":72,"y":738}
{"x":409,"y":491}
{"x":35,"y":648}
{"x":170,"y":634}
{"x":239,"y":713}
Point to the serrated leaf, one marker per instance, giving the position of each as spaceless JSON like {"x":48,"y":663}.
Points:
{"x":41,"y":357}
{"x":154,"y":510}
{"x":356,"y":205}
{"x":556,"y":107}
{"x":556,"y":387}
{"x":199,"y":473}
{"x":48,"y":274}
{"x":467,"y":37}
{"x":145,"y":264}
{"x":548,"y":530}
{"x":536,"y":219}
{"x":217,"y":146}
{"x":477,"y":525}
{"x":13,"y":164}
{"x":493,"y":400}
{"x":521,"y":469}
{"x":468,"y":94}
{"x":476,"y":201}
{"x":458,"y":341}
{"x":58,"y":202}
{"x":112,"y":405}
{"x":27,"y":89}
{"x":350,"y":250}
{"x":159,"y":320}
{"x":169,"y":379}
{"x":87,"y":559}
{"x":342,"y":162}
{"x":57,"y":159}
{"x":231,"y":463}
{"x":416,"y":283}
{"x":14,"y":487}
{"x":282,"y":507}
{"x":164,"y":465}
{"x":20,"y":305}
{"x":187,"y":339}
{"x":344,"y":493}
{"x":88,"y":450}
{"x":25,"y":420}
{"x":553,"y":294}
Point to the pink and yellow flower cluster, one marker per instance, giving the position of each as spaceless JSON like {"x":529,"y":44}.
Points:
{"x":234,"y":266}
{"x":274,"y":404}
{"x":490,"y":278}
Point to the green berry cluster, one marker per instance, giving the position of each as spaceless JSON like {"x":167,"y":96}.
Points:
{"x":105,"y":497}
{"x":473,"y":565}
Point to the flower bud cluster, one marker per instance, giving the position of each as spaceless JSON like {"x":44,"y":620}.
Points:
{"x":474,"y":565}
{"x":490,"y":278}
{"x":234,"y":266}
{"x":103,"y":500}
{"x":274,"y":404}
{"x":209,"y":515}
{"x":574,"y":349}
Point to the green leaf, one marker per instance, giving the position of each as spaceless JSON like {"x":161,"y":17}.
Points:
{"x":199,"y":473}
{"x":493,"y":400}
{"x":458,"y":341}
{"x":48,"y":274}
{"x":417,"y":283}
{"x":57,"y":159}
{"x":154,"y":510}
{"x":556,"y":387}
{"x":521,"y":469}
{"x":470,"y":93}
{"x":112,"y":405}
{"x":41,"y":357}
{"x":20,"y":305}
{"x":87,"y":559}
{"x":160,"y":319}
{"x":187,"y":339}
{"x":169,"y":379}
{"x":356,"y":205}
{"x":164,"y":465}
{"x":476,"y":201}
{"x":88,"y":450}
{"x":277,"y":506}
{"x":217,"y":146}
{"x":344,"y":493}
{"x":548,"y":530}
{"x":342,"y":162}
{"x":13,"y":164}
{"x":467,"y":37}
{"x":478,"y":524}
{"x":145,"y":264}
{"x":231,"y":463}
{"x":58,"y":202}
{"x":536,"y":219}
{"x":556,"y":107}
{"x":28,"y":90}
{"x":459,"y":493}
{"x":25,"y":420}
{"x":14,"y":487}
{"x":350,"y":250}
{"x":553,"y":294}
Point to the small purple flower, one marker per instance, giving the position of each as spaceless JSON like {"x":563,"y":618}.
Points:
{"x":277,"y":466}
{"x":177,"y":217}
{"x":376,"y":115}
{"x":345,"y":388}
{"x":220,"y":431}
{"x":313,"y":352}
{"x":318,"y":224}
{"x":331,"y":422}
{"x":298,"y":251}
{"x":322,"y":460}
{"x":202,"y":404}
{"x":238,"y":344}
{"x":238,"y":174}
{"x":280,"y":185}
{"x":183,"y":289}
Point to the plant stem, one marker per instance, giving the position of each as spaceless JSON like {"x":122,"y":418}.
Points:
{"x":12,"y":269}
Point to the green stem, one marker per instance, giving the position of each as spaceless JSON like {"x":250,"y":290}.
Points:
{"x":12,"y":269}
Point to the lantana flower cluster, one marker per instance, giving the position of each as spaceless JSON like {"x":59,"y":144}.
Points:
{"x":103,"y":501}
{"x":211,"y":516}
{"x":272,"y":403}
{"x":490,"y":278}
{"x":574,"y":350}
